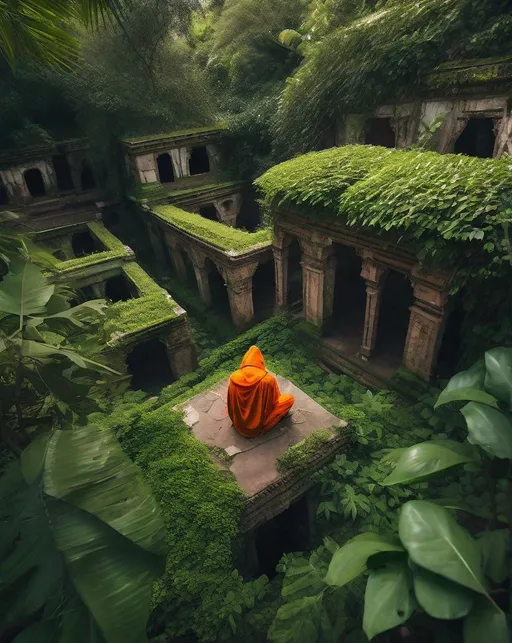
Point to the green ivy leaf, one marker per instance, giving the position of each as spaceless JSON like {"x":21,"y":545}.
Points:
{"x":489,"y":428}
{"x":498,"y":380}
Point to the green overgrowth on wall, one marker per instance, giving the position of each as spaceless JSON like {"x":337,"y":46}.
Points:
{"x":444,"y":207}
{"x":299,"y":455}
{"x":213,"y":232}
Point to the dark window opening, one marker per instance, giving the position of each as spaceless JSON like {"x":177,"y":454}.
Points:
{"x":63,"y":173}
{"x":218,"y":290}
{"x":397,"y":298}
{"x":209,"y":212}
{"x":118,"y":288}
{"x":149,"y":367}
{"x":199,"y":162}
{"x":86,"y":293}
{"x":477,"y":139}
{"x":35,"y":183}
{"x":349,"y":299}
{"x":380,"y":132}
{"x":450,"y":349}
{"x":249,"y":217}
{"x":111,"y":218}
{"x":294,"y":295}
{"x":263,"y":290}
{"x":286,"y":533}
{"x":4,"y":197}
{"x":87,"y":179}
{"x":83,"y":243}
{"x":165,"y":168}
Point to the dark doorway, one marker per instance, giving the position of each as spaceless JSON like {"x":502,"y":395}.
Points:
{"x":63,"y":173}
{"x":209,"y":212}
{"x":86,"y":293}
{"x":87,"y":179}
{"x":294,"y":295}
{"x":218,"y":289}
{"x":118,"y":288}
{"x":397,"y":298}
{"x":286,"y":533}
{"x":4,"y":197}
{"x":149,"y":367}
{"x":349,"y":298}
{"x":35,"y":182}
{"x":477,"y":139}
{"x":250,"y":214}
{"x":451,"y":343}
{"x":199,"y":162}
{"x":380,"y":132}
{"x":83,"y":243}
{"x":165,"y":168}
{"x":264,"y":290}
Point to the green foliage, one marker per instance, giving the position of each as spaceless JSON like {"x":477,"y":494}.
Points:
{"x":298,"y":456}
{"x":215,"y":233}
{"x":80,"y":550}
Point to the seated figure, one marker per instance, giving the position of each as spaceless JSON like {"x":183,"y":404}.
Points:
{"x":255,"y":404}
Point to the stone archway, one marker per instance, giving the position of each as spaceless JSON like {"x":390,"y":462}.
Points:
{"x":165,"y":168}
{"x":149,"y":366}
{"x":35,"y":182}
{"x":263,"y":290}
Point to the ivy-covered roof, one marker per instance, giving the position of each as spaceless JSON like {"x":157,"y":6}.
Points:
{"x":214,"y":233}
{"x":175,"y":134}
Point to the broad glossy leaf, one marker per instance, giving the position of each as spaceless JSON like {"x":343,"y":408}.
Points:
{"x":440,"y":597}
{"x":73,"y":314}
{"x":426,"y":459}
{"x":493,"y":546}
{"x":60,"y":386}
{"x":349,"y":561}
{"x":42,"y":351}
{"x":387,"y":601}
{"x":489,"y":428}
{"x":498,"y":380}
{"x":25,"y":291}
{"x":486,"y":622}
{"x":473,"y":377}
{"x":466,"y":395}
{"x":32,"y":460}
{"x":436,"y":542}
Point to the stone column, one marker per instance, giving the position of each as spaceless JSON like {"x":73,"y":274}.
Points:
{"x":180,"y":157}
{"x":373,"y":274}
{"x":281,"y":271}
{"x":176,"y":257}
{"x":228,"y":209}
{"x":181,"y":351}
{"x":202,"y":277}
{"x":99,"y":289}
{"x":426,"y":324}
{"x":239,"y":283}
{"x":157,"y":240}
{"x":317,"y":278}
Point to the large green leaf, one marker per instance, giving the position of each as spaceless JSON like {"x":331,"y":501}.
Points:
{"x":436,"y":542}
{"x":439,"y":597}
{"x":493,"y":546}
{"x":489,"y":428}
{"x":466,"y":395}
{"x":486,"y":622}
{"x":25,"y":291}
{"x":498,"y":380}
{"x":388,"y":601}
{"x":472,"y":378}
{"x":350,"y":561}
{"x":297,"y":622}
{"x":43,"y":351}
{"x":426,"y":459}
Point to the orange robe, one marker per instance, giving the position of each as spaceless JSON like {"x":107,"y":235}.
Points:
{"x":255,"y":404}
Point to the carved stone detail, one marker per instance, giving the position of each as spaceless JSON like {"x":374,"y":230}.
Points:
{"x":373,"y":273}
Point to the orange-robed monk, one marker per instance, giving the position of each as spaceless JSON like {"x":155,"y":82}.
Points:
{"x":255,"y":403}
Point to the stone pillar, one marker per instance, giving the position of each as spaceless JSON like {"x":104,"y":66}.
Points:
{"x":281,"y":271}
{"x":181,"y":351}
{"x":176,"y":257}
{"x":373,"y":274}
{"x":239,"y":283}
{"x":317,"y":278}
{"x":157,"y":240}
{"x":202,"y":276}
{"x":99,"y":289}
{"x":180,"y":157}
{"x":228,"y":209}
{"x":426,"y":324}
{"x":145,"y":166}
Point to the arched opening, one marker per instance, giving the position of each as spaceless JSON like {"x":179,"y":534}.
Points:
{"x":397,"y":297}
{"x":477,"y":139}
{"x":218,"y":290}
{"x":4,"y":196}
{"x":209,"y":212}
{"x":118,"y":288}
{"x":83,"y":243}
{"x":165,"y":168}
{"x":250,"y":214}
{"x":380,"y":132}
{"x":149,"y":367}
{"x":189,"y":266}
{"x":62,"y":173}
{"x":349,"y":300}
{"x":263,"y":290}
{"x":450,"y":349}
{"x":199,"y":163}
{"x":35,"y":182}
{"x":294,"y":294}
{"x":87,"y":180}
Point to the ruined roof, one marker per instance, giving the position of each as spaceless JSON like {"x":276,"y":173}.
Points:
{"x":151,"y":142}
{"x":467,"y":73}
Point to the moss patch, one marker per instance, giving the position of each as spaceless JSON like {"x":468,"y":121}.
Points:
{"x":298,"y":456}
{"x":215,"y":233}
{"x":177,"y":134}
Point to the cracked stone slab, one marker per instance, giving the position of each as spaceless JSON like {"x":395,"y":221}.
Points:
{"x":191,"y":416}
{"x":232,"y":450}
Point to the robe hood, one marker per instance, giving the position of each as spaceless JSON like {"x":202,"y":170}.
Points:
{"x":252,"y":369}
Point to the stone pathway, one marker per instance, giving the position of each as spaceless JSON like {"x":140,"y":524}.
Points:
{"x":254,"y":460}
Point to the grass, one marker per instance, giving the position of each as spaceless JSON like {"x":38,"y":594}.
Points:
{"x":177,"y":133}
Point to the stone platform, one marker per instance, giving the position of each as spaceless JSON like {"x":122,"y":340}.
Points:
{"x":253,"y":462}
